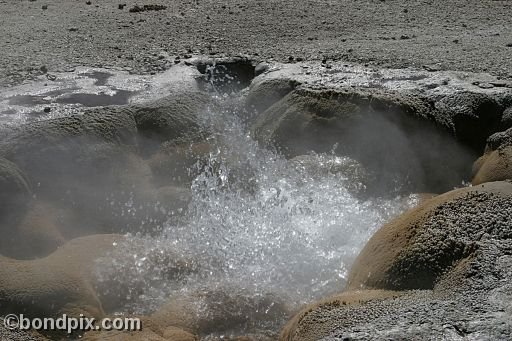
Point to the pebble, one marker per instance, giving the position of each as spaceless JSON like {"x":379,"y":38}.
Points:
{"x":260,"y":68}
{"x":485,"y":86}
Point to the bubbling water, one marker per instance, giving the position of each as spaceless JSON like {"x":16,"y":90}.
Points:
{"x":256,"y":222}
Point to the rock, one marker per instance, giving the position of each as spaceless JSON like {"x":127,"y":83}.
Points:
{"x":139,"y":335}
{"x":496,"y":163}
{"x":175,"y":117}
{"x":207,"y":312}
{"x":61,"y":283}
{"x":124,"y":283}
{"x":261,"y":68}
{"x":308,"y":326}
{"x":19,"y":335}
{"x":385,"y":132}
{"x":471,"y":116}
{"x":455,"y":247}
{"x":150,"y":331}
{"x":136,"y":9}
{"x":499,"y":140}
{"x":263,"y":94}
{"x":353,"y":175}
{"x":103,"y":125}
{"x":88,"y":164}
{"x":178,"y":164}
{"x":420,"y":246}
{"x":226,"y":75}
{"x":464,"y":301}
{"x":506,"y":119}
{"x":176,"y":334}
{"x":37,"y":235}
{"x":174,"y":199}
{"x":15,"y":195}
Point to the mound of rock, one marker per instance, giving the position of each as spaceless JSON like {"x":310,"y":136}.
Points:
{"x":454,"y":247}
{"x":177,"y":164}
{"x":150,"y":332}
{"x":218,"y":312}
{"x":39,"y":233}
{"x":70,"y":148}
{"x":171,"y":118}
{"x":265,"y":93}
{"x":90,"y":163}
{"x":15,"y":193}
{"x":60,"y":283}
{"x":418,"y":247}
{"x":81,"y":276}
{"x":302,"y":327}
{"x":388,"y":134}
{"x":471,"y":116}
{"x":496,"y":163}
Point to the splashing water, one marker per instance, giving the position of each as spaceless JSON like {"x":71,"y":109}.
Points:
{"x":256,"y":222}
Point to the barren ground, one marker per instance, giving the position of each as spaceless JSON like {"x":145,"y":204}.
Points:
{"x":472,"y":35}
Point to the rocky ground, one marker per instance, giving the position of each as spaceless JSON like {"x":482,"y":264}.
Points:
{"x":440,"y":270}
{"x":51,"y":35}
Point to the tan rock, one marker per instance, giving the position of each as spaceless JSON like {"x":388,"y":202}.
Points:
{"x":495,"y":165}
{"x":306,"y":326}
{"x":418,"y":247}
{"x":217,"y":311}
{"x":57,"y":284}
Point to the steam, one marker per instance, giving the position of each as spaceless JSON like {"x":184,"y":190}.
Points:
{"x":251,"y":220}
{"x":257,"y":224}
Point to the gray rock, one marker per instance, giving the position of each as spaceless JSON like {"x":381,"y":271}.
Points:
{"x":264,"y":94}
{"x":261,"y":68}
{"x":459,"y":253}
{"x":15,"y":195}
{"x":496,"y":162}
{"x":176,"y":116}
{"x":499,"y":140}
{"x":71,"y":148}
{"x":472,"y":117}
{"x":385,"y":132}
{"x":86,"y":163}
{"x":506,"y":118}
{"x":17,"y":335}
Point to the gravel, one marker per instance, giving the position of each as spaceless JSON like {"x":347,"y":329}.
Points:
{"x":365,"y":31}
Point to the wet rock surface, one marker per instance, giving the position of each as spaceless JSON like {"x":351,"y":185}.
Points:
{"x":496,"y":163}
{"x":57,"y":284}
{"x":16,"y":192}
{"x":174,"y":163}
{"x":432,"y":238}
{"x":467,"y":291}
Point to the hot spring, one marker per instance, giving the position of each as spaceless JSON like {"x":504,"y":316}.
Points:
{"x":269,"y":230}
